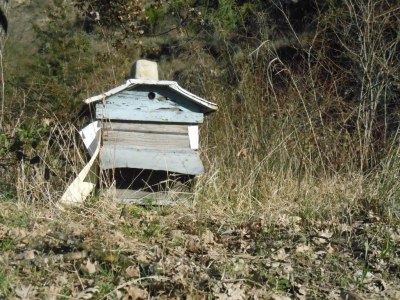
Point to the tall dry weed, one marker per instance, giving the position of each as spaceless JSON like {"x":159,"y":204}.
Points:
{"x":304,"y":134}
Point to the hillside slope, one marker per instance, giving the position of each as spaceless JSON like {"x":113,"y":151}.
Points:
{"x":300,"y":199}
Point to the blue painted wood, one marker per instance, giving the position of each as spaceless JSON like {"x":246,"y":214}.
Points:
{"x":180,"y":161}
{"x":151,"y":104}
{"x":166,"y":92}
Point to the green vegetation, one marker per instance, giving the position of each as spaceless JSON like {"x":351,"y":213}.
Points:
{"x":301,"y":194}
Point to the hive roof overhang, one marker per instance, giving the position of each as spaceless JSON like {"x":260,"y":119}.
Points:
{"x":207,"y":106}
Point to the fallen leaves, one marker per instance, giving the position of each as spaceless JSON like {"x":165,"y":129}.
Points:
{"x":204,"y":256}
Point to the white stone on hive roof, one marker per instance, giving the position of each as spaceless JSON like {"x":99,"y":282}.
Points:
{"x":144,"y":69}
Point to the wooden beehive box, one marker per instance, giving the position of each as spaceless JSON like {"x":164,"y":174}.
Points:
{"x":150,"y":129}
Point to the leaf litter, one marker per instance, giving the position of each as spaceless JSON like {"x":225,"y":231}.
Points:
{"x":175,"y":254}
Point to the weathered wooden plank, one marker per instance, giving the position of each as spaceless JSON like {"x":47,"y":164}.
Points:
{"x":131,"y":112}
{"x":145,"y":100}
{"x":157,"y":106}
{"x":150,"y":198}
{"x":145,"y":127}
{"x":146,"y":202}
{"x":138,"y":194}
{"x":142,"y":140}
{"x":181,"y":161}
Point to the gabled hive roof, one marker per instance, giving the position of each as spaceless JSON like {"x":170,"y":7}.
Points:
{"x":206,"y":105}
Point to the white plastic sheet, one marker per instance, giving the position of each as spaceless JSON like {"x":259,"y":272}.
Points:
{"x":84,"y":183}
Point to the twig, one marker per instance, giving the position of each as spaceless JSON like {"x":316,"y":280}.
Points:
{"x":328,"y":240}
{"x":79,"y":278}
{"x":258,"y":48}
{"x":245,"y":279}
{"x":53,"y":259}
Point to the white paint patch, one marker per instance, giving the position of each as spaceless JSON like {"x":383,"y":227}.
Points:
{"x":88,"y":135}
{"x":194,"y":137}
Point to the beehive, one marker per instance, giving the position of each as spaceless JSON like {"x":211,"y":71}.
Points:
{"x":149,"y":124}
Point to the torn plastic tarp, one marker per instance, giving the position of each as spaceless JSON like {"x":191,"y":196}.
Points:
{"x":85,"y":182}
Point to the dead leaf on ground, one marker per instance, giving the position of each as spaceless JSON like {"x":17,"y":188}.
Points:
{"x":302,"y":248}
{"x":208,"y":237}
{"x":76,"y":229}
{"x":349,"y":295}
{"x":257,"y":293}
{"x":26,"y":292}
{"x":287,"y":268}
{"x":136,"y":293}
{"x":4,"y":232}
{"x":280,"y":255}
{"x":118,"y":236}
{"x":331,"y":249}
{"x":87,"y":293}
{"x":285,"y":220}
{"x":392,"y":293}
{"x":19,"y":233}
{"x":242,"y":153}
{"x":279,"y":297}
{"x":52,"y":292}
{"x":299,"y":291}
{"x":366,"y":276}
{"x":62,"y":279}
{"x":144,"y":257}
{"x":176,"y":233}
{"x":325,"y":236}
{"x":28,"y":254}
{"x":193,"y":243}
{"x":91,"y":267}
{"x":132,"y":271}
{"x":233,"y":292}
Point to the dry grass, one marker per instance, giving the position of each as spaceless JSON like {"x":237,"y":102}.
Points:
{"x":249,"y":250}
{"x":267,"y":220}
